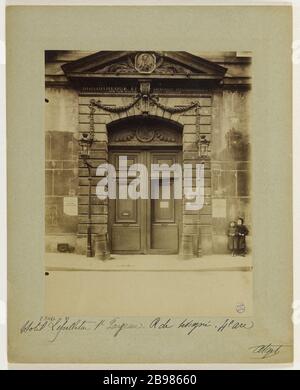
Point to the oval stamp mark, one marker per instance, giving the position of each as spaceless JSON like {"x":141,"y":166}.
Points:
{"x":240,"y":307}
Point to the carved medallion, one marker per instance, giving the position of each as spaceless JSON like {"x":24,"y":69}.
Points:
{"x":145,"y":135}
{"x":145,"y":62}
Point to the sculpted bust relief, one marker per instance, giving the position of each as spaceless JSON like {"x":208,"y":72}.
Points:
{"x":145,"y":62}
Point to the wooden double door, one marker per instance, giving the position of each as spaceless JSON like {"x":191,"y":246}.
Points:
{"x":145,"y":225}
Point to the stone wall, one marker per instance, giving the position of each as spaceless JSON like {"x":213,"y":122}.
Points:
{"x":231,"y":166}
{"x":61,"y":166}
{"x":227,"y":176}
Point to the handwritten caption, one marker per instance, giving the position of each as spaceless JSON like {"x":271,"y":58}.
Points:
{"x":55,"y":327}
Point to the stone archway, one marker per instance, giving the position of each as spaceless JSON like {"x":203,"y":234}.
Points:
{"x":98,"y":113}
{"x":140,"y":130}
{"x":145,"y":225}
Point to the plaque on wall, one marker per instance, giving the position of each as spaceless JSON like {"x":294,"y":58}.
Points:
{"x":71,"y":205}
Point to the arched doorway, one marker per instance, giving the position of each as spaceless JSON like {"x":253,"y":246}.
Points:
{"x":145,"y":225}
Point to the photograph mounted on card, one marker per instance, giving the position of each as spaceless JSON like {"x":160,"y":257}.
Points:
{"x":149,"y":184}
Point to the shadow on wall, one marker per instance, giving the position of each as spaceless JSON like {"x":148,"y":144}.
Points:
{"x":61,"y":185}
{"x":231,"y":188}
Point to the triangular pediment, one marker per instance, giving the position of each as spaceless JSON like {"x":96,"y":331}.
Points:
{"x":145,"y":64}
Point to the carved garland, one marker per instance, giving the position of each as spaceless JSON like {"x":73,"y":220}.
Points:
{"x":154,"y":100}
{"x":119,"y":109}
{"x":114,"y":110}
{"x":173,"y":110}
{"x":91,"y":117}
{"x":198,"y":123}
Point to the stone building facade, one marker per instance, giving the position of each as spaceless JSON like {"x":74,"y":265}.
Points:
{"x":152,"y":107}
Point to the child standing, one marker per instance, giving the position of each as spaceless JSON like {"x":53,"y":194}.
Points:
{"x":232,"y":234}
{"x":242,"y":231}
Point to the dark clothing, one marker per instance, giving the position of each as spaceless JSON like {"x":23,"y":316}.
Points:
{"x":240,"y":239}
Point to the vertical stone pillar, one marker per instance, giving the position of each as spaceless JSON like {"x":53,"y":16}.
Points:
{"x":99,"y":208}
{"x":197,"y":233}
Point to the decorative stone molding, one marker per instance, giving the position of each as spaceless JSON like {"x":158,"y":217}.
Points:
{"x":151,"y":98}
{"x":144,"y":135}
{"x":146,"y":63}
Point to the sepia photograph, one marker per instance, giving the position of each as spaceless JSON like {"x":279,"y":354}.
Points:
{"x":149,"y":188}
{"x":147,"y":169}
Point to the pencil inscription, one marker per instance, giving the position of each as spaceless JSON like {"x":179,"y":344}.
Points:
{"x":265,"y":351}
{"x":55,"y":327}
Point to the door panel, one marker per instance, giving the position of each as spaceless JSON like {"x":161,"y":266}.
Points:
{"x":125,"y":220}
{"x":165,"y":213}
{"x":126,"y":211}
{"x":126,"y":238}
{"x":164,"y":238}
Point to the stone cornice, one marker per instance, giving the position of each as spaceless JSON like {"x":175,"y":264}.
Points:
{"x":227,"y":83}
